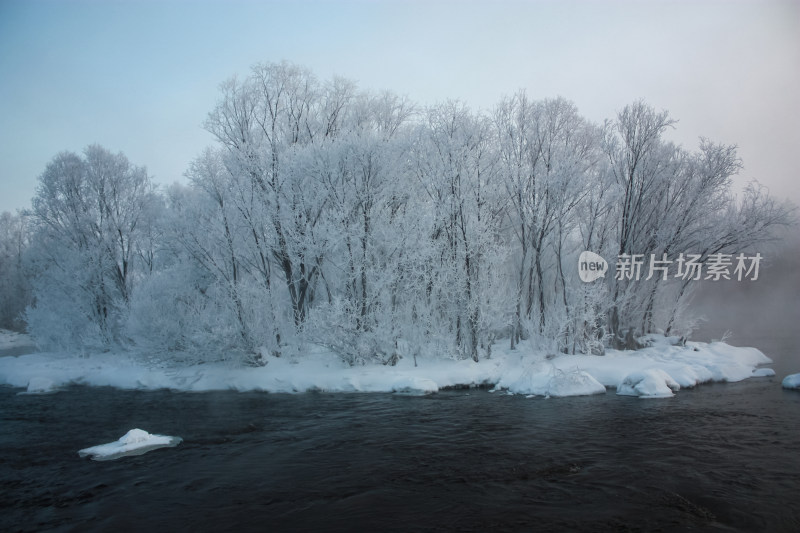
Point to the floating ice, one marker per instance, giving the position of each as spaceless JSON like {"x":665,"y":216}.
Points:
{"x":134,"y":442}
{"x":763,"y":373}
{"x":792,"y":381}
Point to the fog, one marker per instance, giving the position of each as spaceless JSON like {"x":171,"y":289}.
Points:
{"x":765,"y":312}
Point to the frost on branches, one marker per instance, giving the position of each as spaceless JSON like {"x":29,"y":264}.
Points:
{"x":362,"y":222}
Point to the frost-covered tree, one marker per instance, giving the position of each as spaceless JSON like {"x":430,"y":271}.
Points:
{"x":190,"y":306}
{"x":547,"y":152}
{"x":328,"y":214}
{"x":261,"y":123}
{"x":596,"y":227}
{"x":360,"y":174}
{"x":14,"y":285}
{"x":87,"y":217}
{"x":642,"y":165}
{"x":671,"y":201}
{"x":455,"y":166}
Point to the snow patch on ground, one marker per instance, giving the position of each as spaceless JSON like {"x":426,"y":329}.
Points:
{"x":655,"y":371}
{"x":651,"y":383}
{"x":792,"y":381}
{"x":134,"y":442}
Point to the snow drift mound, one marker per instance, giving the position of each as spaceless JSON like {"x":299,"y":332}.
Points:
{"x":573,"y":382}
{"x":650,"y":383}
{"x":134,"y":442}
{"x":541,"y":381}
{"x":39,"y":385}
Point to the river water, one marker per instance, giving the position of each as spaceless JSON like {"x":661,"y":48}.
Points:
{"x":721,"y":457}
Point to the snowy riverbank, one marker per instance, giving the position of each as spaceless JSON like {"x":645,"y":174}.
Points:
{"x":657,"y":371}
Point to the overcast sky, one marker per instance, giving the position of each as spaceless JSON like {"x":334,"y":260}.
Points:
{"x":141,"y":76}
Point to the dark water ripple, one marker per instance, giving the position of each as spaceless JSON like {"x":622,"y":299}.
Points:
{"x":718,"y":458}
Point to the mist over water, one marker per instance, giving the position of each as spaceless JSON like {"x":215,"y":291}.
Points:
{"x":765,"y":311}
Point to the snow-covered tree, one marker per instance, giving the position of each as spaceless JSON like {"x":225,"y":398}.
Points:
{"x":671,"y":202}
{"x":547,"y":152}
{"x":87,"y":214}
{"x":455,"y":167}
{"x":14,"y":285}
{"x":260,"y":123}
{"x":352,"y":219}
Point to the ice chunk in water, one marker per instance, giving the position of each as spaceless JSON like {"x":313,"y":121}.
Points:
{"x":134,"y":442}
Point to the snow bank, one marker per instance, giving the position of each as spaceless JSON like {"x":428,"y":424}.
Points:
{"x":792,"y":381}
{"x":134,"y":442}
{"x":655,"y":371}
{"x":546,"y":379}
{"x":651,"y":383}
{"x":39,"y":385}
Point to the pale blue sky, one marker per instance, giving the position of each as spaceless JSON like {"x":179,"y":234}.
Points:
{"x":140,"y":76}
